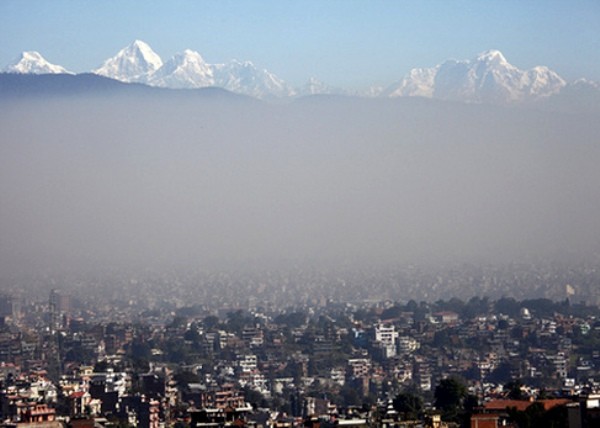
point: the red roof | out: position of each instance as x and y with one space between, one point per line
497 405
521 405
550 403
77 394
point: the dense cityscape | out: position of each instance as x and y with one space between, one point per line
310 214
462 346
299 214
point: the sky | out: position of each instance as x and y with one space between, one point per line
351 44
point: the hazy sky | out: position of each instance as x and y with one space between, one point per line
165 180
344 43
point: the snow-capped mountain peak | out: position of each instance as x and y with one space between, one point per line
314 86
133 63
32 62
141 46
419 82
540 81
586 83
190 55
492 56
244 77
186 69
139 63
489 77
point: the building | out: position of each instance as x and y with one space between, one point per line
386 338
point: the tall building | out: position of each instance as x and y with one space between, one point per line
60 306
10 306
386 336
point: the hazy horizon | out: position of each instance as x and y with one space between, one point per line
199 182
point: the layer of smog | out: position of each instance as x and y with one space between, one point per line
176 183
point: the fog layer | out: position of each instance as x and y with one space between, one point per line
162 180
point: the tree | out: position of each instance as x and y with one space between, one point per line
470 403
514 390
237 320
475 306
449 396
79 353
350 395
255 398
101 366
393 312
292 320
535 416
501 374
185 377
411 306
408 404
507 306
178 322
210 322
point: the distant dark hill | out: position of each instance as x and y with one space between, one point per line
61 85
19 85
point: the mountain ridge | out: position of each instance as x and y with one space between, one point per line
32 62
15 86
486 78
133 63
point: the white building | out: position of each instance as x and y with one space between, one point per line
386 336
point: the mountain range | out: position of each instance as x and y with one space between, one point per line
487 78
31 62
186 70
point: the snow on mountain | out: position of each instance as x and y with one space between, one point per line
418 83
487 78
316 87
31 62
184 70
133 63
540 81
372 91
245 78
584 85
139 63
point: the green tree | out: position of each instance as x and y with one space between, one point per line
535 416
292 320
192 334
514 390
101 366
556 417
475 306
507 306
449 396
178 322
393 312
253 397
350 395
237 320
409 405
210 322
501 374
185 377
